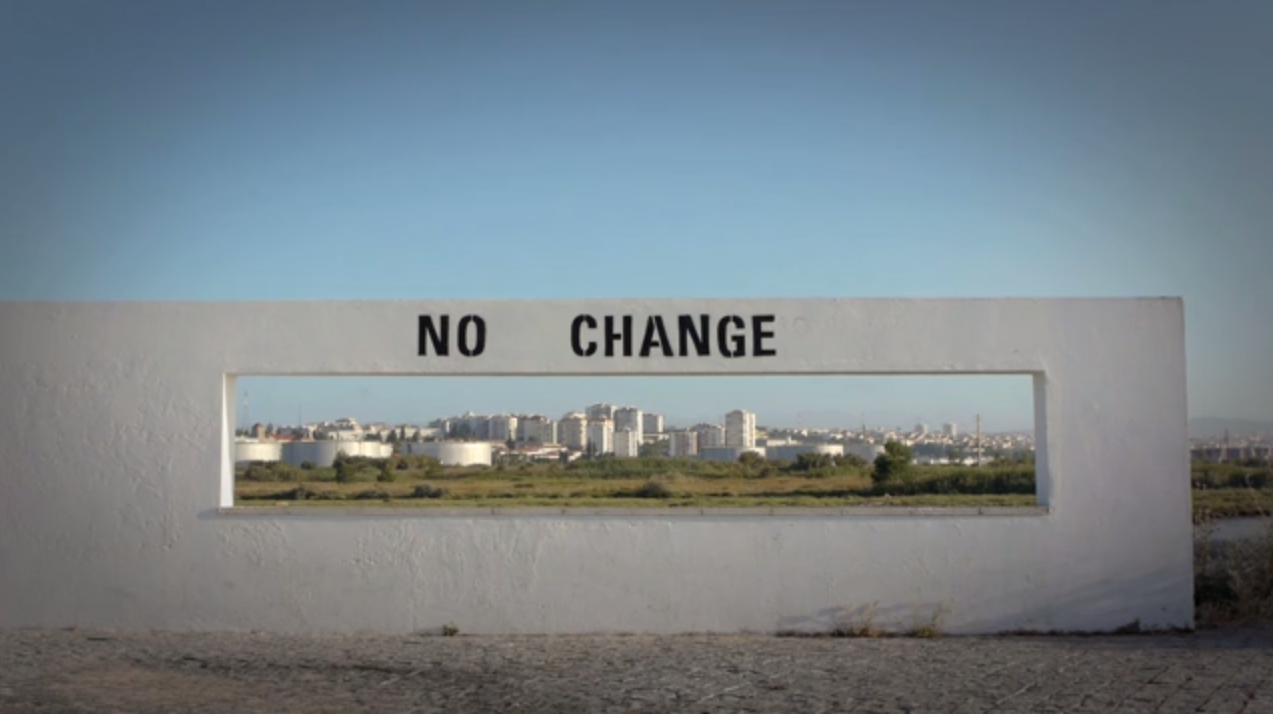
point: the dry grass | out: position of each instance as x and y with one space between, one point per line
673 491
1210 504
1233 579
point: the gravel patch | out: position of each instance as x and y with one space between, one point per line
95 671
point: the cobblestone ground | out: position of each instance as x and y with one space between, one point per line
74 670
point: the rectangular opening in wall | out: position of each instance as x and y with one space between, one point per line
687 443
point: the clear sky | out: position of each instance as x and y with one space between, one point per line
165 150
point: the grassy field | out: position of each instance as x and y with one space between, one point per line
616 493
667 483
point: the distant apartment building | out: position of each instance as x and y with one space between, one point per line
537 429
572 431
1230 454
600 436
601 411
651 423
629 418
469 426
683 443
710 435
501 427
950 429
921 429
627 444
740 429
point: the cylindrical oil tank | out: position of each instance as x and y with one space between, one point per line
727 453
323 452
456 453
867 452
248 451
791 452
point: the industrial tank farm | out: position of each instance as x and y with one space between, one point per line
728 453
249 451
455 453
323 453
790 452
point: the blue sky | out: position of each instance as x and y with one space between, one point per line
342 150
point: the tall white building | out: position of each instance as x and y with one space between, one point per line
572 431
502 427
651 423
600 436
740 429
683 443
472 426
921 429
950 429
629 418
627 444
537 429
710 435
601 411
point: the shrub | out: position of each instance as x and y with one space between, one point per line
813 462
307 466
1233 580
653 488
1248 479
893 464
373 494
257 471
300 493
284 471
850 462
424 490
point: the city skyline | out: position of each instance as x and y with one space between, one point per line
809 402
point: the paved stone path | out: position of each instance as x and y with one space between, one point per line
74 670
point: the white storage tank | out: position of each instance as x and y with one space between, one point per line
323 452
455 453
249 451
727 453
868 452
791 452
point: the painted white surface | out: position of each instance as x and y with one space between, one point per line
248 451
791 452
323 452
454 453
116 451
729 453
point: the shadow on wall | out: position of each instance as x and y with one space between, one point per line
1106 603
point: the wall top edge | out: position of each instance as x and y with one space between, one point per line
603 301
507 512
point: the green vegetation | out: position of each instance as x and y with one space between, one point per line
813 480
1233 580
894 464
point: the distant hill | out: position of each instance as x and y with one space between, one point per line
1210 427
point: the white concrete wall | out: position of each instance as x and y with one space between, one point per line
123 526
